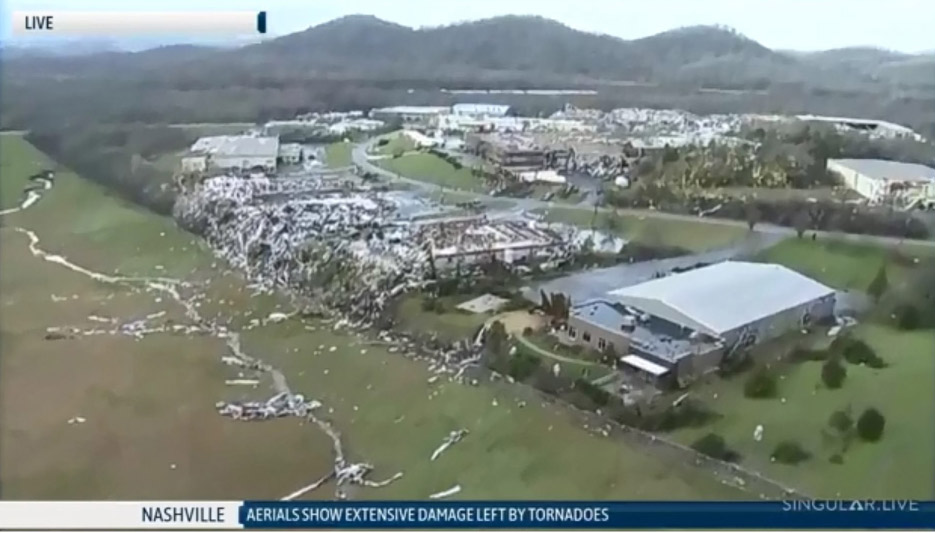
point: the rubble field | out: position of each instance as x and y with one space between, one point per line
347 410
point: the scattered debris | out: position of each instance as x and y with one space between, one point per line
77 420
445 493
453 438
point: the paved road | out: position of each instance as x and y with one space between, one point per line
359 157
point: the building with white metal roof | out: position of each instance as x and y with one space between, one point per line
880 181
687 322
727 299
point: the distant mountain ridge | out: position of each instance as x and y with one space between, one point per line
536 48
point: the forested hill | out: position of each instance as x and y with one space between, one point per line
538 48
361 61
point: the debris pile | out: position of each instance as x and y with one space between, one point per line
334 246
453 438
280 405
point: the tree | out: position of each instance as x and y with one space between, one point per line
752 214
545 303
714 445
496 339
870 425
790 453
801 222
879 285
761 384
833 373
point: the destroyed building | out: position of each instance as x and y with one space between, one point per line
474 240
507 151
349 249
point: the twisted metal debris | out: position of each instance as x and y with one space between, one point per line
341 248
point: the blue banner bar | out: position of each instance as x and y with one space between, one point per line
792 514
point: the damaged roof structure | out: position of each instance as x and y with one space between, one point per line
349 249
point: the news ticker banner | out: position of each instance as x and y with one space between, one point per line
128 23
469 515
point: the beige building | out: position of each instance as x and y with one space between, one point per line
887 182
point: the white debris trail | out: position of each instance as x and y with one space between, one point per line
453 437
345 473
445 493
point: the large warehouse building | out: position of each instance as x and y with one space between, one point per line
232 152
890 182
682 325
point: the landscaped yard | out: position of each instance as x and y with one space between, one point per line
432 169
695 236
898 466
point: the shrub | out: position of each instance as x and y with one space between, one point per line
857 352
841 421
523 365
762 384
799 354
870 425
527 331
713 445
790 453
689 413
598 395
833 373
837 459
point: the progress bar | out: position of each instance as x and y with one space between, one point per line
108 23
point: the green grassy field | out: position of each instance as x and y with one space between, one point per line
149 403
688 235
433 169
338 155
899 466
453 324
843 265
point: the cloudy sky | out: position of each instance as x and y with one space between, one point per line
903 25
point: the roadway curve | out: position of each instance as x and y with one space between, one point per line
360 159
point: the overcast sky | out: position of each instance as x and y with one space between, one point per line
903 25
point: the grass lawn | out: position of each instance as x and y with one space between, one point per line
839 264
689 235
338 155
899 466
571 363
149 403
433 169
451 325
